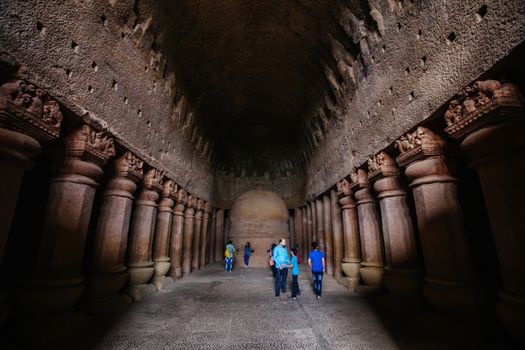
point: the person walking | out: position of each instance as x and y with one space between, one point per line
295 275
270 259
317 264
228 256
282 262
248 251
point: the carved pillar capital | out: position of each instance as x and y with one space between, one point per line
482 104
27 109
129 166
344 193
169 192
419 145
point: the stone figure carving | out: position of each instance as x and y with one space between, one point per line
379 160
154 177
33 100
343 187
181 196
170 188
95 140
127 163
200 204
207 207
414 139
353 175
471 98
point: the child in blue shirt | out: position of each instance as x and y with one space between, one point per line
295 274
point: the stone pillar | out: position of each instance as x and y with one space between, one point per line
161 244
195 261
448 265
371 271
204 232
328 235
57 283
299 239
187 234
352 253
305 250
319 215
310 227
109 272
402 273
211 245
28 117
176 234
291 229
140 262
315 237
337 229
489 118
219 235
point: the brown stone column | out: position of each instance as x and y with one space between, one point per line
319 215
291 229
204 232
187 234
371 271
176 234
310 226
211 245
57 282
402 273
328 235
352 253
304 250
195 261
337 229
315 237
163 226
299 239
219 235
449 272
109 273
27 119
140 262
489 118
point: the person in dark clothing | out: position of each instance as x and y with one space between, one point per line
270 259
248 251
295 275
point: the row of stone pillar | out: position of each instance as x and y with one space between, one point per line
487 118
143 239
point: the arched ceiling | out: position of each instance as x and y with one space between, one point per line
260 77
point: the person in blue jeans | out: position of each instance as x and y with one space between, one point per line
295 274
248 251
317 264
229 261
282 262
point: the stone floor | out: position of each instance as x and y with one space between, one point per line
211 309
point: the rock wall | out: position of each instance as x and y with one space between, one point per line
100 63
422 54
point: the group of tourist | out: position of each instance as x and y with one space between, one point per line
280 262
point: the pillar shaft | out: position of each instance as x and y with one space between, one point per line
492 135
204 233
176 235
337 230
328 235
57 282
319 227
448 264
25 123
219 235
315 237
197 231
211 231
371 271
187 235
140 255
402 275
109 273
299 239
352 252
163 226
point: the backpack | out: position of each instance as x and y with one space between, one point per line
227 254
298 259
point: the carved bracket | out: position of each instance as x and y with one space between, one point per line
418 145
130 166
90 145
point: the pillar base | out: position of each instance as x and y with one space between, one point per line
4 307
511 313
371 274
451 297
102 292
351 270
38 296
405 284
139 276
162 282
161 268
469 331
